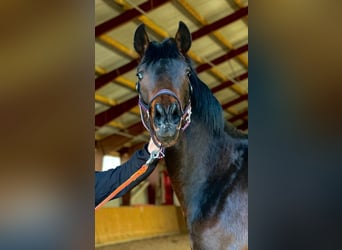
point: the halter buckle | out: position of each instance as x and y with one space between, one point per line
187 116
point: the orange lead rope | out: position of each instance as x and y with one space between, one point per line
154 155
138 173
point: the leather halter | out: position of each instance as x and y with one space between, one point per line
144 108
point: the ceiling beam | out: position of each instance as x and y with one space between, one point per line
127 16
235 101
105 78
229 83
115 111
243 126
114 142
229 55
240 5
222 40
238 116
220 23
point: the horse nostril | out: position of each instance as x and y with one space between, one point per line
173 108
158 112
159 109
174 113
170 114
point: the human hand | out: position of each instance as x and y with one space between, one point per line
151 146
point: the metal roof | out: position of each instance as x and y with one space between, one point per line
219 52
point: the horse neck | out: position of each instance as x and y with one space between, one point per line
206 152
200 156
186 162
191 150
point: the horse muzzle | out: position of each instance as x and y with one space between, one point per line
164 117
167 134
167 123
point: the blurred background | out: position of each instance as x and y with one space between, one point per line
47 116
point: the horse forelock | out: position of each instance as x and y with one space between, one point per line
156 51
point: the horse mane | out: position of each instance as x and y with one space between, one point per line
205 106
234 132
209 110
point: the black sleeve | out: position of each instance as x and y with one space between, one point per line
107 181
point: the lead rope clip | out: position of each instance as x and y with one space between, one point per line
156 154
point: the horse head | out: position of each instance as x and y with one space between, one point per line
163 84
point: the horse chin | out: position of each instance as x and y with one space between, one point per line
167 141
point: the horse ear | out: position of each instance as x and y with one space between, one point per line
183 38
141 40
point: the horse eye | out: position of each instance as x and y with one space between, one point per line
188 72
140 75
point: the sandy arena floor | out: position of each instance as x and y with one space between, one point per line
174 242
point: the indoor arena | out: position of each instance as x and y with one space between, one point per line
167 208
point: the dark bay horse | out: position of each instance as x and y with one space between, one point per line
206 157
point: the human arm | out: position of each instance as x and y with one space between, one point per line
107 181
